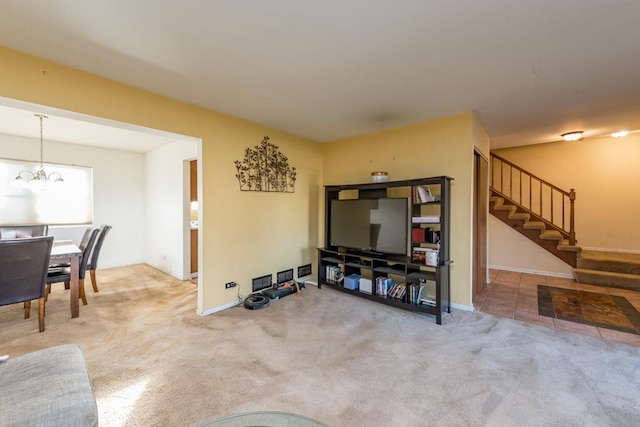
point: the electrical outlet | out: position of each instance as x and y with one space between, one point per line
230 285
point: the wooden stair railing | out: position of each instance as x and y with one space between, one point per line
549 203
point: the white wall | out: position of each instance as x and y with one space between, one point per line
167 202
118 193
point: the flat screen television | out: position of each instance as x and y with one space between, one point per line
372 225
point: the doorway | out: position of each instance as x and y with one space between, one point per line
480 217
193 216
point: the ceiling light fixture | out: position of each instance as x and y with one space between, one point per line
39 176
572 136
620 134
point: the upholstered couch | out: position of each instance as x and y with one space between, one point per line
49 387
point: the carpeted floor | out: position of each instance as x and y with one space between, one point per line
341 360
591 308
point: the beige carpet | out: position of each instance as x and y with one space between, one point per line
342 360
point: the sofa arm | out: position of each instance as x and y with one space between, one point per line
47 387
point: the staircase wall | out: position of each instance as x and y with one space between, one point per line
509 250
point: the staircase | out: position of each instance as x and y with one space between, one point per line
544 214
614 269
533 228
535 208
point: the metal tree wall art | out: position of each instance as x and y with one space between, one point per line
264 168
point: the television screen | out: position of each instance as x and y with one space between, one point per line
378 225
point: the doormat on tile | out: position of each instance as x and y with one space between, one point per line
590 308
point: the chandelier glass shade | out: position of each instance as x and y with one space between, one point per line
39 176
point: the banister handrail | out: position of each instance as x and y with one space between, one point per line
537 208
513 165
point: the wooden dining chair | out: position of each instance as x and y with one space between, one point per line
93 261
24 264
62 273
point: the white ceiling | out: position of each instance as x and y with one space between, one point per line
325 70
17 118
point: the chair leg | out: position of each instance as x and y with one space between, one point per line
41 303
47 292
27 309
83 296
94 282
67 285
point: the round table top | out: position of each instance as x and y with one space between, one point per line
264 418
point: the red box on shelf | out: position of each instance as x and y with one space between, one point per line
418 235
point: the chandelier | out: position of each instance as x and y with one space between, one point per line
39 176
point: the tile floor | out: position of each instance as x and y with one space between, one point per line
515 295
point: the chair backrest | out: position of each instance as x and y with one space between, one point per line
23 231
86 245
93 262
23 268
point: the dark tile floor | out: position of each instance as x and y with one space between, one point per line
515 295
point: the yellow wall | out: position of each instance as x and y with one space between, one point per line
434 148
245 234
481 140
604 172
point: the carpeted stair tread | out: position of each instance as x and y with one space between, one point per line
510 208
551 235
522 216
565 246
619 262
607 278
534 225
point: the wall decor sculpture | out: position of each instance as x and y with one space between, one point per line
265 168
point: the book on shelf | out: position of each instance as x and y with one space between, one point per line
415 293
333 273
424 194
398 291
425 235
426 256
383 285
428 302
425 219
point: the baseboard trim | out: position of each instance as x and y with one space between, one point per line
526 270
462 307
220 308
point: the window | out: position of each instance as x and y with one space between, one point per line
54 203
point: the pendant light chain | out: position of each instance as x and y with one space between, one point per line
41 116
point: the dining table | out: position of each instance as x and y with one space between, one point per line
65 251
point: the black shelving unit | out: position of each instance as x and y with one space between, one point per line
400 269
